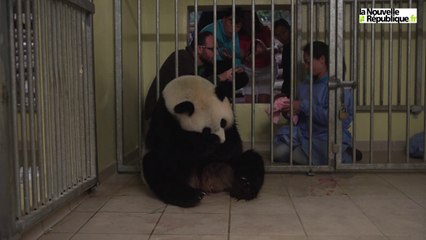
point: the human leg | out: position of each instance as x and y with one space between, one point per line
281 152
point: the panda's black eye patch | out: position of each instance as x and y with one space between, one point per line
207 130
223 123
185 107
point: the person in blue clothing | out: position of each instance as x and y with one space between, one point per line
319 116
224 32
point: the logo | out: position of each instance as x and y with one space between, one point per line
388 15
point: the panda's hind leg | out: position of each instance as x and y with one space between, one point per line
169 187
249 172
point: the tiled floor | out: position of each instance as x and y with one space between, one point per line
290 206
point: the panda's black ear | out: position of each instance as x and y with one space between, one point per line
185 107
224 89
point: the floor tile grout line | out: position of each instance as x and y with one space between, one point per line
158 220
294 207
109 197
399 190
364 213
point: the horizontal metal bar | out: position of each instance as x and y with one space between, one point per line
383 167
26 222
84 4
414 109
334 84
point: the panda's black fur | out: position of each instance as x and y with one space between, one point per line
181 166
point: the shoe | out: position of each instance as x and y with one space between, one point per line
358 153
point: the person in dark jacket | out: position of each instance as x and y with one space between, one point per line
186 61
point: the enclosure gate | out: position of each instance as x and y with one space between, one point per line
48 145
385 63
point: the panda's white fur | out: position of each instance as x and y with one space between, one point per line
209 110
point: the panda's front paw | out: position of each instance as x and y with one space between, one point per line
189 198
243 189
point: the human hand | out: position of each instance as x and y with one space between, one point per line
260 47
227 75
296 107
225 54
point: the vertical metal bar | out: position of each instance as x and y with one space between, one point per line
382 63
271 105
331 72
364 69
408 92
13 87
39 94
23 110
419 50
253 73
215 41
80 103
76 105
62 95
196 36
177 38
92 161
86 84
233 54
75 82
354 77
339 74
311 78
399 82
118 67
9 202
51 100
292 74
58 93
157 45
390 66
141 130
67 88
372 83
29 31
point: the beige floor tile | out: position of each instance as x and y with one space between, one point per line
394 216
72 222
334 215
366 185
125 223
134 189
211 203
411 184
120 179
135 204
260 225
187 237
274 183
56 236
192 224
96 236
319 185
270 237
345 237
91 204
265 203
407 237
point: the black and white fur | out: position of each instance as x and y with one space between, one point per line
194 146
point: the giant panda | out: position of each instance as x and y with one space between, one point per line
194 148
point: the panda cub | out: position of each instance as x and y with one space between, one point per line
194 148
